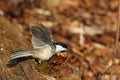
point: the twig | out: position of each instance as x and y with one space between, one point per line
117 40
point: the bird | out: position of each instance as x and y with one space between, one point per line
44 46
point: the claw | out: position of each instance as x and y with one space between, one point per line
38 61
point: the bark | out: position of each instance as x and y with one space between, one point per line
11 38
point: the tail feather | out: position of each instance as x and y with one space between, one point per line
19 56
21 53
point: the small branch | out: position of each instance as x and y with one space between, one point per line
117 39
118 29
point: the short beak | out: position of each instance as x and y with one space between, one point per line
67 50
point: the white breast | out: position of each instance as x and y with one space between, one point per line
44 53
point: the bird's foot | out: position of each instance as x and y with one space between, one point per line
38 61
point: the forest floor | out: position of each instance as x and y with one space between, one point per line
88 27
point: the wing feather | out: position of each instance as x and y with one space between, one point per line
41 36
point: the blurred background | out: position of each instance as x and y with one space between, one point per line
88 27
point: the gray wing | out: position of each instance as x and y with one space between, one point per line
41 36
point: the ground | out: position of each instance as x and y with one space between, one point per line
88 27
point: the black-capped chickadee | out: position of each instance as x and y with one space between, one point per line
44 47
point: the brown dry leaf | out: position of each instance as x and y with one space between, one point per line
63 54
113 4
65 18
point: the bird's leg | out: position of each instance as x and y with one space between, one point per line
38 61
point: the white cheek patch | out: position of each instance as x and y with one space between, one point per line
59 48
